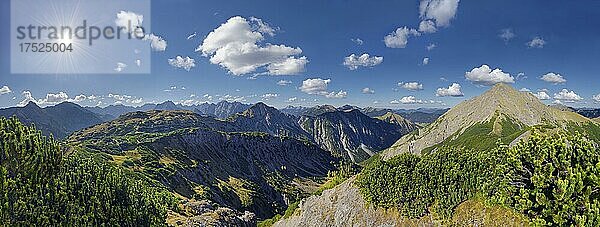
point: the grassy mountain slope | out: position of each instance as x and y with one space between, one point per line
501 106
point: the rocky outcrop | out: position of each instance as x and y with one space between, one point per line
346 133
344 206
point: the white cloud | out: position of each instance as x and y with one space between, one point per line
318 86
262 26
542 95
484 75
5 90
536 42
425 61
27 97
337 95
291 66
269 96
353 61
186 63
558 102
80 98
191 36
412 100
358 41
554 78
292 99
315 86
399 38
596 98
442 11
129 20
120 66
506 34
427 26
368 91
156 42
567 96
235 45
284 82
452 90
411 86
525 89
431 46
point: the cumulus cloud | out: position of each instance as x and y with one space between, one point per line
156 42
506 34
290 66
484 75
318 86
368 91
80 98
452 90
536 42
5 90
567 96
186 63
130 21
27 97
353 61
554 78
425 61
399 38
441 11
525 89
284 82
236 46
542 95
358 41
427 26
411 86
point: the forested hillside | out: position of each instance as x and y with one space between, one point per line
44 184
549 179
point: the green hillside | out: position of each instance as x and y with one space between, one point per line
44 184
549 179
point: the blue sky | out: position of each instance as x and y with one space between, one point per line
566 51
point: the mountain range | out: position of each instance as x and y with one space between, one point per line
500 114
59 120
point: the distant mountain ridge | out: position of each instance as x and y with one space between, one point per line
59 120
348 134
420 115
222 109
502 110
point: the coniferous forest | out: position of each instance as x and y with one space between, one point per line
43 184
549 179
